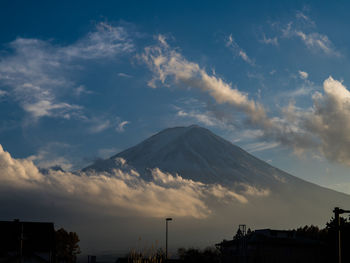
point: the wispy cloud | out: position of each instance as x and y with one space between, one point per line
314 41
260 146
301 16
124 75
105 42
317 41
167 63
238 51
82 90
303 74
269 41
341 187
198 117
3 93
121 125
107 152
35 72
191 110
48 157
99 125
302 91
104 122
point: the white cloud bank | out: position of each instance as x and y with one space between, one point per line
329 121
165 195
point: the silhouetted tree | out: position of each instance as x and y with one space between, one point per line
331 228
312 232
249 232
147 256
67 247
238 235
328 237
193 255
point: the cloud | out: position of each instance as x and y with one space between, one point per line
253 191
269 41
199 117
192 111
260 146
164 195
124 75
82 90
35 73
317 41
323 128
48 108
121 125
301 16
329 121
238 51
51 155
167 63
302 91
99 125
104 122
60 162
3 93
107 152
303 74
207 115
343 187
314 41
105 42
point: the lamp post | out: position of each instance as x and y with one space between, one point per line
166 236
337 212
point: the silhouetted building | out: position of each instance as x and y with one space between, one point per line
91 259
26 241
271 246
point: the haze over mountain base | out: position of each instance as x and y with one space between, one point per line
207 184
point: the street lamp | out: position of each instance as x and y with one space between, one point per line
337 212
166 236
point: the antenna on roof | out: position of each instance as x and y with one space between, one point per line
243 229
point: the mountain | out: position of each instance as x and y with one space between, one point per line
198 154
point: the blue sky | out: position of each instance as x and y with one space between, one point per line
84 80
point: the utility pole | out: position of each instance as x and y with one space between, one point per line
243 229
21 244
166 236
337 212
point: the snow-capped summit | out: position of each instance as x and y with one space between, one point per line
198 154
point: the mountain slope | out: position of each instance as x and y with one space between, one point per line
198 154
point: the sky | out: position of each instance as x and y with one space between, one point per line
84 80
